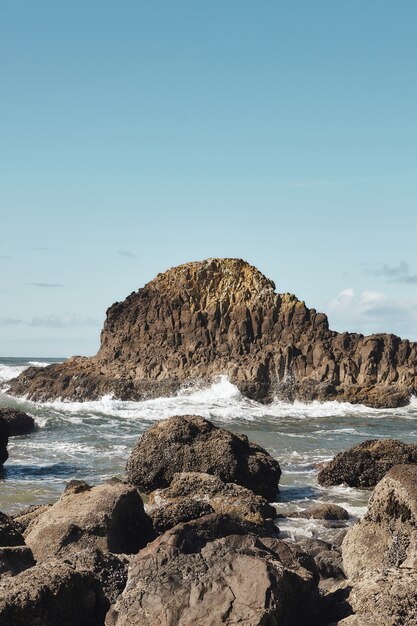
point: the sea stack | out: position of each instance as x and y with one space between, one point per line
217 317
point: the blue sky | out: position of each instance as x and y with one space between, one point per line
138 135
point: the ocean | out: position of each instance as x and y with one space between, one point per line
92 441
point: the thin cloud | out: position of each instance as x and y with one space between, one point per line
10 321
400 273
371 312
5 256
46 285
67 320
126 253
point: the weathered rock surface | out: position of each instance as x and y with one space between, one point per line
202 494
15 559
365 464
28 516
52 594
323 510
189 443
236 579
222 316
4 440
109 517
387 535
10 534
20 423
380 553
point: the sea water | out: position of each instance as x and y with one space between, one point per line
92 441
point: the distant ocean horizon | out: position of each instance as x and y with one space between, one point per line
92 440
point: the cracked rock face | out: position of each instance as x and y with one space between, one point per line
190 443
223 317
366 464
235 579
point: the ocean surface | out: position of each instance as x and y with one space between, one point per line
92 441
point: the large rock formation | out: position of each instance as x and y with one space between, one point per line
189 443
222 316
108 517
365 464
380 554
20 423
183 578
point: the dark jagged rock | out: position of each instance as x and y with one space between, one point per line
4 440
189 443
52 594
193 494
365 464
323 511
20 423
10 534
15 559
231 579
109 517
222 316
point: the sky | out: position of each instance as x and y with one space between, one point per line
138 135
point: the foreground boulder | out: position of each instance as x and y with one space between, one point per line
4 440
387 536
52 594
380 553
223 317
109 517
235 579
189 443
365 464
20 423
202 494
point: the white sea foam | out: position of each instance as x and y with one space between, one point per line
7 372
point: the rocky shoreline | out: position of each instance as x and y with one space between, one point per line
223 317
205 548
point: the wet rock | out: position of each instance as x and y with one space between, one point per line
19 422
235 579
10 534
4 440
208 491
15 559
189 443
223 317
109 517
52 594
365 464
322 511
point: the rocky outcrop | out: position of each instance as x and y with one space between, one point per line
193 494
52 594
234 579
109 517
189 443
222 316
380 553
20 423
322 511
4 440
366 464
15 559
